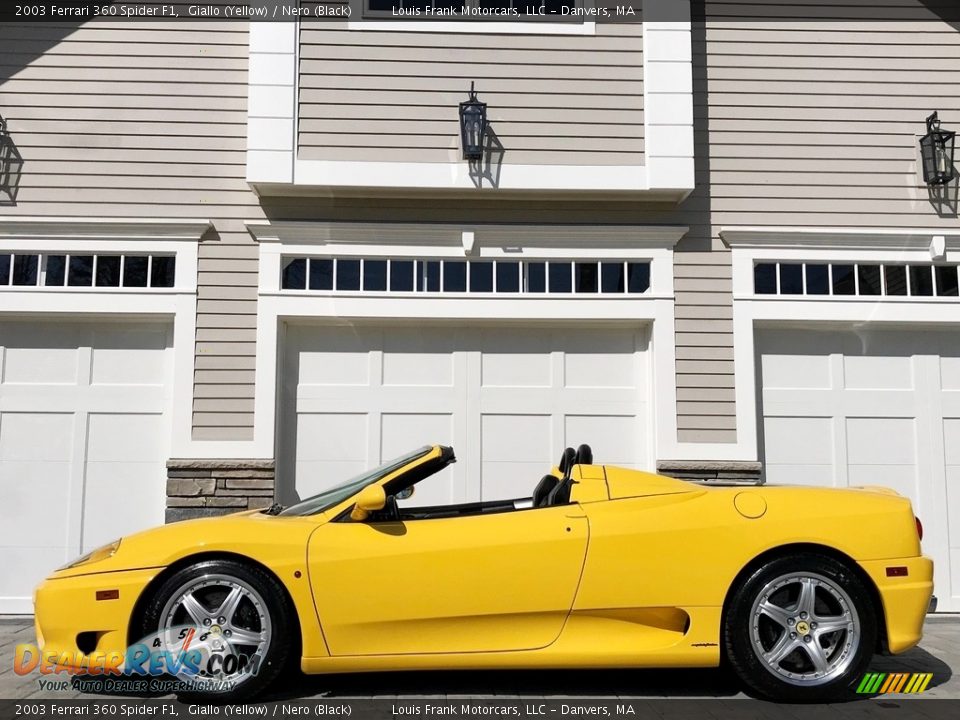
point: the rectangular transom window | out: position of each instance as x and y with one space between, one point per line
93 270
855 279
570 278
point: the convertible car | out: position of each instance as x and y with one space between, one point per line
603 567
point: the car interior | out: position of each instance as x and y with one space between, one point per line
550 491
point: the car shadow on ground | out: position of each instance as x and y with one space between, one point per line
693 683
917 660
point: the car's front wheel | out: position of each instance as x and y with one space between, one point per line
801 628
223 628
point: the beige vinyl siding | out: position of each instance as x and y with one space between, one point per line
393 96
140 119
800 121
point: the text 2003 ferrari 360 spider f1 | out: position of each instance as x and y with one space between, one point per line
794 587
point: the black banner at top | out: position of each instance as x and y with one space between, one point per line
358 12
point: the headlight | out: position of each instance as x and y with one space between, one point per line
101 553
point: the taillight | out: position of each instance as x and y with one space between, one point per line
919 528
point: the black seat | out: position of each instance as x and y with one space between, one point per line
560 494
542 491
584 455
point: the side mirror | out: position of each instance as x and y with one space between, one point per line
405 493
370 499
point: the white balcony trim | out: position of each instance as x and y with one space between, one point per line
273 165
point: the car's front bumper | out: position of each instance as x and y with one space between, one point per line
72 623
905 598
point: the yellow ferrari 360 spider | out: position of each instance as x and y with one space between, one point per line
603 567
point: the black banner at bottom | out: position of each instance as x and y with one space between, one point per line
530 708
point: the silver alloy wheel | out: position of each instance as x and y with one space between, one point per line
231 618
804 628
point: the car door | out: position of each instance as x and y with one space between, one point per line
503 581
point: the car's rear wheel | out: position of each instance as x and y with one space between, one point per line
233 617
801 628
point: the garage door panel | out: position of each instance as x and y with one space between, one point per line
597 370
516 437
881 441
130 359
950 373
523 367
877 372
38 366
417 357
951 440
613 438
798 440
120 497
38 437
27 487
795 371
125 437
340 436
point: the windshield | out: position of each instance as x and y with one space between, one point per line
338 493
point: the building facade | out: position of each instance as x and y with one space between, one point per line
240 261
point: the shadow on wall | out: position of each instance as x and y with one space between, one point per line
11 166
488 167
944 198
22 44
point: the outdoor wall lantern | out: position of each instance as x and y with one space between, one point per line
473 126
936 151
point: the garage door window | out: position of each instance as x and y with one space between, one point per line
403 275
53 270
868 279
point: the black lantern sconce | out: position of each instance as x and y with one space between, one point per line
11 164
936 152
473 126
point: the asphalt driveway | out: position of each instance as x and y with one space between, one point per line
939 653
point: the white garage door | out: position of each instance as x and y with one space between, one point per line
508 400
84 438
871 408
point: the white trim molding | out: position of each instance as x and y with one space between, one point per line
83 228
93 235
844 238
274 167
821 245
654 308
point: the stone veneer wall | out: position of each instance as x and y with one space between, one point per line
746 473
205 488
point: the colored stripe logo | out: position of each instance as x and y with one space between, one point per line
887 683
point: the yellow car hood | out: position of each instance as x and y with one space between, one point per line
267 538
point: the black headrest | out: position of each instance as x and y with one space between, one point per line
567 460
584 455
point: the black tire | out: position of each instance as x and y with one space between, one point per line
839 596
282 648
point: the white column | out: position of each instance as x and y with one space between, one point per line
668 94
272 102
